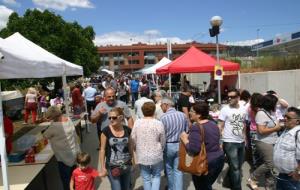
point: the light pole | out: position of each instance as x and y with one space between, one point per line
131 56
216 22
257 37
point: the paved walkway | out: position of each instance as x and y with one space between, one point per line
90 144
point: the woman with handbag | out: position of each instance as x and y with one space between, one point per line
115 155
267 128
199 114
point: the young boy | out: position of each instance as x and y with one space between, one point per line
83 176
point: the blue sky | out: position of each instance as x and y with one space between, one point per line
130 21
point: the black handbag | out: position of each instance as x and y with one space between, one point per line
119 170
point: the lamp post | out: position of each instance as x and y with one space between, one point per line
216 22
257 37
131 56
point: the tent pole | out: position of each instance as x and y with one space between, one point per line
239 80
170 83
157 85
66 91
3 148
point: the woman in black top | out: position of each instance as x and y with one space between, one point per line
115 155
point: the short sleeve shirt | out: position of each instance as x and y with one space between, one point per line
234 119
104 120
268 120
84 178
183 101
117 148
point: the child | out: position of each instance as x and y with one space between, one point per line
83 176
44 103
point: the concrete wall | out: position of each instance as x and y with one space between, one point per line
285 83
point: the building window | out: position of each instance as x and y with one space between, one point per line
133 62
149 61
119 62
133 54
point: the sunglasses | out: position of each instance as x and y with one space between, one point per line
289 118
112 118
232 97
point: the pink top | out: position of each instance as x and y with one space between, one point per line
253 124
31 98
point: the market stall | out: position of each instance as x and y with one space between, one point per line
21 58
196 61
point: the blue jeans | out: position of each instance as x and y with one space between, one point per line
235 153
122 182
171 159
134 97
65 173
285 182
151 175
205 182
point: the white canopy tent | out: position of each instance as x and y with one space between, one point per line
152 70
25 59
109 72
21 58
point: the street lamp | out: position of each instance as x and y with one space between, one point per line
257 37
216 22
131 56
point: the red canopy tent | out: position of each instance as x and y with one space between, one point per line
196 61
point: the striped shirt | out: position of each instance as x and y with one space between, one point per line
175 123
286 152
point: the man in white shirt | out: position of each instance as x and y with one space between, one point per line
89 94
232 127
139 103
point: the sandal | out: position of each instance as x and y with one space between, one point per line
252 184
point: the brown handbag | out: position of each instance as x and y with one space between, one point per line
193 164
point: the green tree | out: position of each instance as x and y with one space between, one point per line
69 41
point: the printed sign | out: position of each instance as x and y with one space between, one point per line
218 72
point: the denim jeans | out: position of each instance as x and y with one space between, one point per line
122 182
235 153
65 173
205 182
134 97
171 159
285 182
151 175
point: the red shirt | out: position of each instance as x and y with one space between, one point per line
84 179
9 131
77 99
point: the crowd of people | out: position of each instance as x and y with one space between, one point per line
262 126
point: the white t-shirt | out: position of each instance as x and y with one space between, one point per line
234 119
268 120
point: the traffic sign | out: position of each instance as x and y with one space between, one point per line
218 72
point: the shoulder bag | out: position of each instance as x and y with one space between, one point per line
194 164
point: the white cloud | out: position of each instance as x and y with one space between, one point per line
4 14
127 38
10 2
63 5
244 43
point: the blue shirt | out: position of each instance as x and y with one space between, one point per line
134 86
175 123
